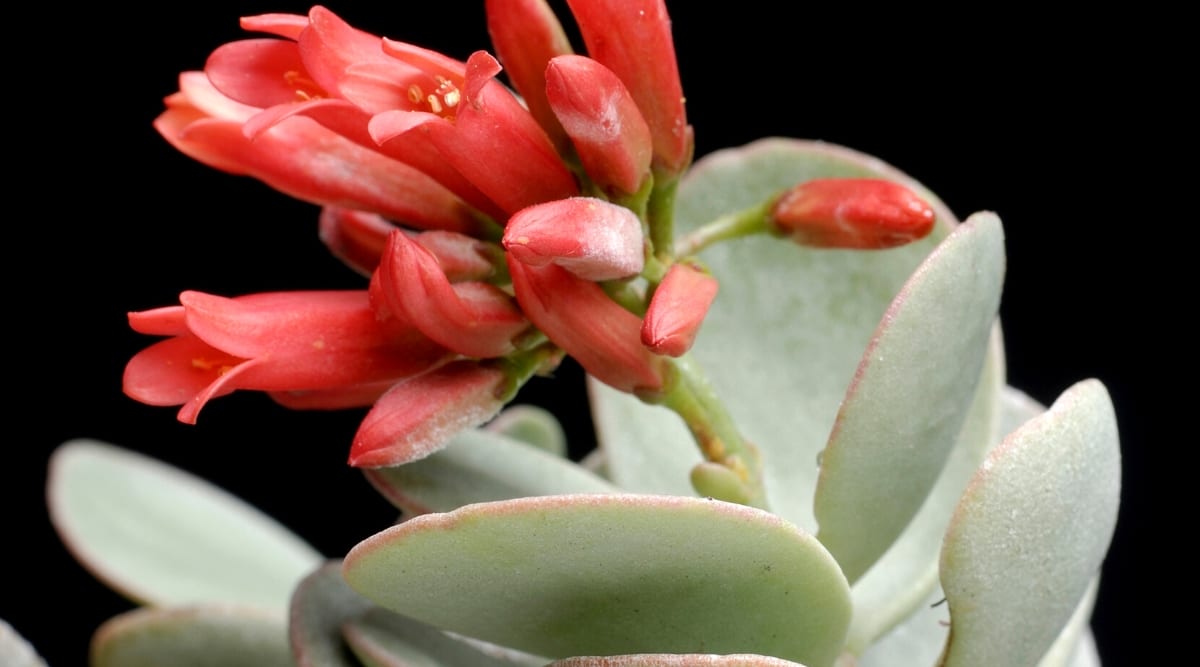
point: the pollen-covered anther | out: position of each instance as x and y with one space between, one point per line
306 89
415 94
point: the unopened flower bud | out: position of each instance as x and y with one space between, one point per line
677 309
860 213
591 238
610 135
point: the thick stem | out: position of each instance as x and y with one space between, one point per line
737 473
735 225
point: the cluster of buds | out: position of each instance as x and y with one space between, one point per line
498 231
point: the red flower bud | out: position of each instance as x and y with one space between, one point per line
591 238
677 309
604 123
633 39
526 35
420 415
859 213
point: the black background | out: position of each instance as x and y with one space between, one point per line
1047 122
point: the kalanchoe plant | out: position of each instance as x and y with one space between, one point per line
806 438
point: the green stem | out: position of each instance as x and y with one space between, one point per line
735 225
737 473
660 213
538 358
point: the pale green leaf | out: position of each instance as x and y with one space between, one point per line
903 577
201 636
910 396
481 466
784 335
608 575
1073 645
380 638
1031 532
321 604
164 537
532 425
915 642
675 660
15 651
1016 408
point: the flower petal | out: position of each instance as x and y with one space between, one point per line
173 371
305 160
418 416
580 318
497 145
473 319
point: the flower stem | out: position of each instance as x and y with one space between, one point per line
536 359
733 471
735 225
660 212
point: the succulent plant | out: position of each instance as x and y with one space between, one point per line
808 451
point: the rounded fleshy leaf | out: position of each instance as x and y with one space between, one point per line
480 466
594 575
203 636
160 536
1031 532
896 585
1071 646
380 638
918 640
675 660
921 638
532 425
801 308
910 396
15 651
1016 408
322 603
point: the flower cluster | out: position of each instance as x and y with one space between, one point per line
498 231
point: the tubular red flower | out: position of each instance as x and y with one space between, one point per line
677 309
591 238
493 141
278 342
305 160
860 213
580 318
608 131
526 35
633 39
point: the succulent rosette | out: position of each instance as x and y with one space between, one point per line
795 364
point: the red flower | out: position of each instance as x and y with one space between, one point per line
286 343
414 157
305 160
